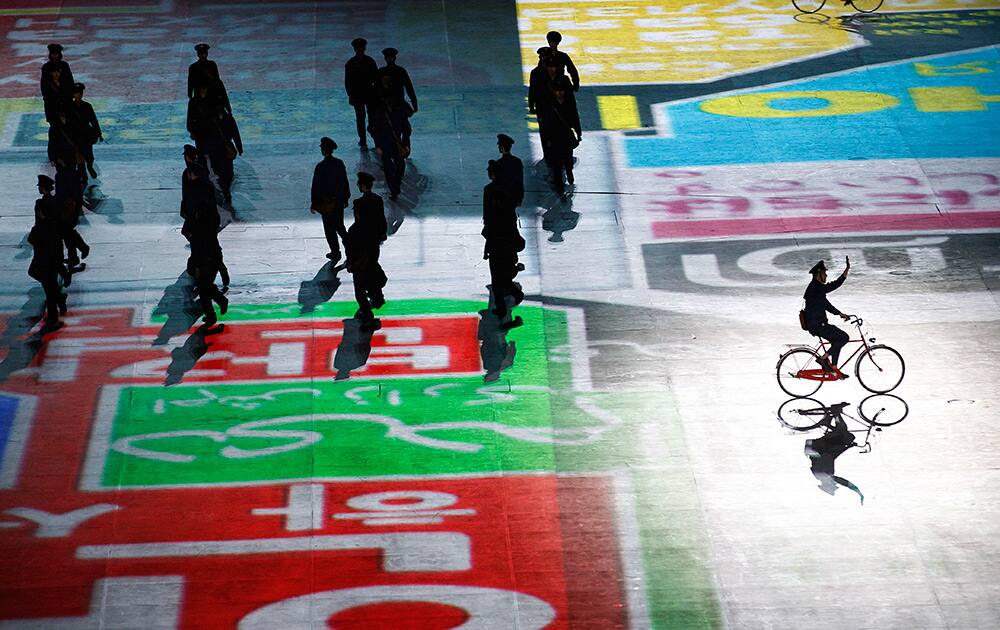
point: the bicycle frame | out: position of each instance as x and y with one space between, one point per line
821 348
832 416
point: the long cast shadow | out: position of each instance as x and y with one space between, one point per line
21 350
179 307
354 348
320 289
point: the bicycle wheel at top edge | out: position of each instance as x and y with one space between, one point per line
866 6
883 410
790 364
808 6
792 413
880 369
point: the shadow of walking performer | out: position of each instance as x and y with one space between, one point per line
184 358
21 350
320 289
354 348
495 351
178 305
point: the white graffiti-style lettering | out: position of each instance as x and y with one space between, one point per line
246 403
395 429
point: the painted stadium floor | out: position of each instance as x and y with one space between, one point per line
625 464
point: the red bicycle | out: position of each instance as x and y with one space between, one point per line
879 368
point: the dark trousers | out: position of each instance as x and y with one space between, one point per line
53 293
560 161
74 243
502 280
359 117
222 166
368 285
837 338
333 224
394 167
208 292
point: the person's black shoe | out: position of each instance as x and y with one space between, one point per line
72 262
519 266
92 170
62 304
378 302
210 319
84 251
223 304
371 325
334 256
825 364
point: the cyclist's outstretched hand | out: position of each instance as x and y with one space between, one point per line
846 317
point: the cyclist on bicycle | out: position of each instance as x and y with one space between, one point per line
817 306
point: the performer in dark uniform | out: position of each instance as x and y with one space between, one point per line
539 88
560 133
47 261
561 58
817 306
56 83
69 198
394 80
363 243
198 209
503 242
510 170
391 132
360 76
205 72
86 129
330 194
216 135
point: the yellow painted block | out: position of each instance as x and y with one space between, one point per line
619 112
952 99
632 42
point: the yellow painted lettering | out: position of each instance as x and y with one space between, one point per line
971 67
951 99
837 103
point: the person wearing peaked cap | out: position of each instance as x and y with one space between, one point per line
47 259
394 80
510 170
503 241
330 194
85 130
814 314
563 60
364 240
360 76
56 83
538 81
205 72
560 132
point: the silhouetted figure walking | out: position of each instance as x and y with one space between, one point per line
47 261
205 72
391 131
360 77
364 240
394 80
86 130
560 134
562 59
539 82
69 198
201 217
510 170
56 83
503 242
330 194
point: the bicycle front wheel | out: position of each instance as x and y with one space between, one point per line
866 6
802 414
794 372
880 369
808 6
883 410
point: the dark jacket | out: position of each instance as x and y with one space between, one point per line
566 65
65 88
197 194
83 122
367 233
500 221
393 81
510 175
539 89
560 124
330 189
360 75
46 240
207 73
817 306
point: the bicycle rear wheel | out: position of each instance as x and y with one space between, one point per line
883 410
808 6
801 414
866 6
880 369
791 368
